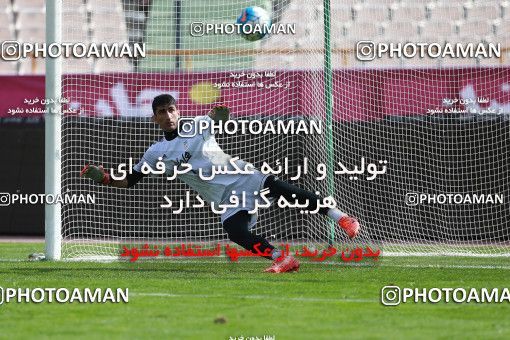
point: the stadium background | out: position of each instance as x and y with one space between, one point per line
372 99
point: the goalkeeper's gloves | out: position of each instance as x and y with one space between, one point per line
96 173
220 113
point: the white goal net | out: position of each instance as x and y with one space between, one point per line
415 146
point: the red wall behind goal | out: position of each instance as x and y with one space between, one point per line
358 94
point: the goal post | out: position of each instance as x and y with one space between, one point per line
52 121
328 103
437 167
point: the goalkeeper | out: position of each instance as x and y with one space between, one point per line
202 152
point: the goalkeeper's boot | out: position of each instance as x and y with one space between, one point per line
350 225
288 264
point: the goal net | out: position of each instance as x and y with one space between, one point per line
415 147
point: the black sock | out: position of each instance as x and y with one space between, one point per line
236 227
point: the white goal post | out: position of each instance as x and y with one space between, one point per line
52 149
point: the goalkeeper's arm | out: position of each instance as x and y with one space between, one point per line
219 113
100 176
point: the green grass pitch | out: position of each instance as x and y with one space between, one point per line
219 299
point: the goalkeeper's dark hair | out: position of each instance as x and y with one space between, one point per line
162 99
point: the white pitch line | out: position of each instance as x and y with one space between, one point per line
340 264
423 254
436 266
255 297
447 266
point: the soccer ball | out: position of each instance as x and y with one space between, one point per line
254 23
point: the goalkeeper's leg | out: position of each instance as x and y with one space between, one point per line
237 228
279 188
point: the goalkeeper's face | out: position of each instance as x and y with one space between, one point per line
166 116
